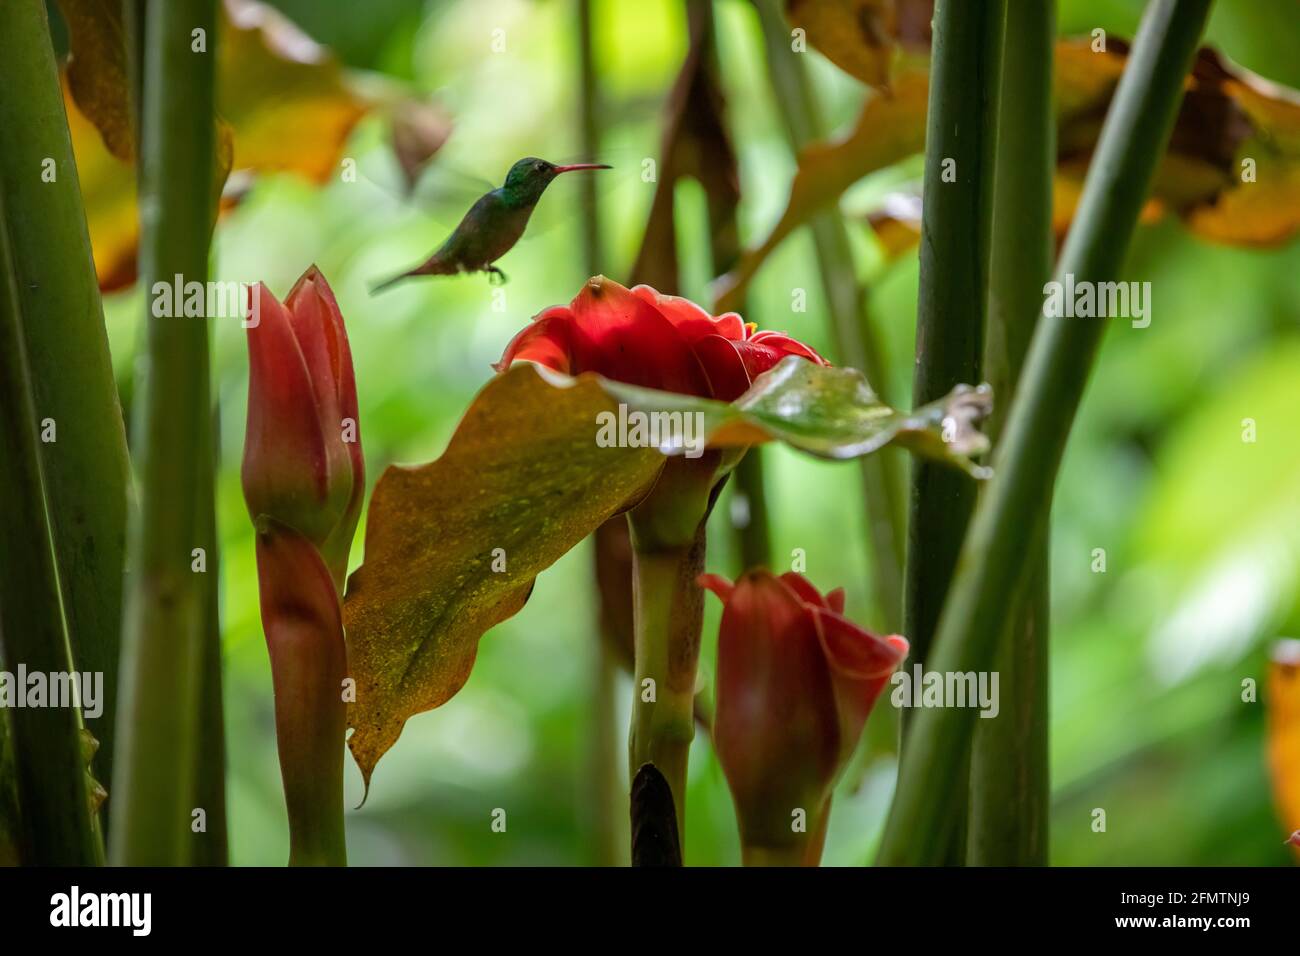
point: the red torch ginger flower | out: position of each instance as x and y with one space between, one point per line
641 337
302 450
795 683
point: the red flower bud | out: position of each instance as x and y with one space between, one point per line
795 683
640 337
302 449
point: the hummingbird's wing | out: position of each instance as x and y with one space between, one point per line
441 193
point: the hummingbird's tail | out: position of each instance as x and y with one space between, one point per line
428 268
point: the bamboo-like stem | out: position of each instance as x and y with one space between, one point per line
857 343
956 224
86 469
1013 512
57 825
1009 801
154 781
606 835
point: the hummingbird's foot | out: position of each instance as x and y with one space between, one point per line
495 275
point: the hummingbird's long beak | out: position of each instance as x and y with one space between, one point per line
575 166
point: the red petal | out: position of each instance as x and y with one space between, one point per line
855 651
765 349
717 584
804 588
728 379
624 337
285 468
547 341
835 600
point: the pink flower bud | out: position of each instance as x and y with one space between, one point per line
302 449
795 683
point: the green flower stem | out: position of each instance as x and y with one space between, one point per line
1013 511
669 615
86 469
57 827
857 344
1009 803
155 780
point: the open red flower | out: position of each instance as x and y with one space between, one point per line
641 337
795 683
302 449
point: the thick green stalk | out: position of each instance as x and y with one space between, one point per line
955 229
83 451
1013 512
1009 800
856 341
669 615
57 826
956 224
154 782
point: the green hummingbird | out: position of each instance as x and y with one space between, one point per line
493 224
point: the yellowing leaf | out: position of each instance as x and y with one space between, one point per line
97 71
1284 734
108 194
865 38
285 95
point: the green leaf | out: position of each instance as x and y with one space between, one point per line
831 413
453 547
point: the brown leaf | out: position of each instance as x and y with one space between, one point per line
97 70
419 130
522 473
865 38
1284 735
695 145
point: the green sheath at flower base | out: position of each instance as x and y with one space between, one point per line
303 478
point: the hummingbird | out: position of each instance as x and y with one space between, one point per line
493 224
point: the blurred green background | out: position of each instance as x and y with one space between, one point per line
1201 531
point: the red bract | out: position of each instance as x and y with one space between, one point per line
302 449
795 683
658 341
